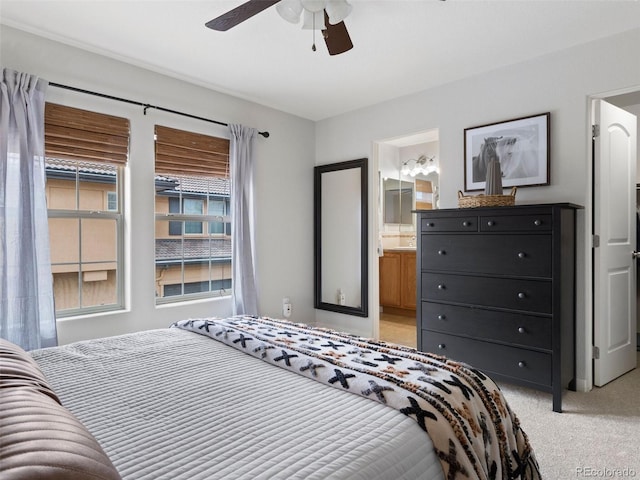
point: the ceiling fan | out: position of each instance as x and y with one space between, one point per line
325 15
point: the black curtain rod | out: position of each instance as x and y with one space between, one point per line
145 105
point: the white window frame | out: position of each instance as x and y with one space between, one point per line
203 219
118 216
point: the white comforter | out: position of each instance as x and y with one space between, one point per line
171 404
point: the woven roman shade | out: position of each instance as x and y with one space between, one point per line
76 134
188 153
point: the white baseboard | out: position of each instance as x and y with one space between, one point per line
581 385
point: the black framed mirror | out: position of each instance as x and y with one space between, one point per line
340 237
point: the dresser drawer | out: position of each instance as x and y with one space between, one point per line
523 295
506 327
515 223
517 363
522 255
450 224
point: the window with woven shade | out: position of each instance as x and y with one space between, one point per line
193 220
86 153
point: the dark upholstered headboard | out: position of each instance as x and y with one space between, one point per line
39 438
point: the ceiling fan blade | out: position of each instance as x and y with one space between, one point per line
239 14
336 37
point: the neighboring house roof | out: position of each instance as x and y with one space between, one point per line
172 249
61 165
166 185
213 185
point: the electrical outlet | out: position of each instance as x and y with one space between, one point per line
286 307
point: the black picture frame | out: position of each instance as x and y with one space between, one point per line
522 145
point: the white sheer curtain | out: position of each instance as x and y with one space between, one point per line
245 297
27 314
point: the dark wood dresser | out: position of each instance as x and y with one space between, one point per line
496 290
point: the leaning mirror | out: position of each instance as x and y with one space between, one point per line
340 235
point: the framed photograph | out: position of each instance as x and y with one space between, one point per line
520 145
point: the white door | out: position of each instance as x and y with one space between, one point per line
614 151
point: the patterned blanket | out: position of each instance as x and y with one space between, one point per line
474 432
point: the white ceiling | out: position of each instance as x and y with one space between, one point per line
400 46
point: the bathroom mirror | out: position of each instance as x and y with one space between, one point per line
340 237
398 201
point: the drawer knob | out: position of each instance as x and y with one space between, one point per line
442 346
537 223
466 224
442 317
522 295
441 286
521 255
429 224
521 330
522 364
442 252
491 223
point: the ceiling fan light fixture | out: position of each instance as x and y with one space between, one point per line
290 10
312 11
337 10
314 5
316 17
313 20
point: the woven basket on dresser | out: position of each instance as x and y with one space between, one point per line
470 201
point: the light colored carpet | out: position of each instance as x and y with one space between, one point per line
596 436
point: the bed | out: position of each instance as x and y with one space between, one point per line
255 398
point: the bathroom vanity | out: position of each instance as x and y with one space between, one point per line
398 281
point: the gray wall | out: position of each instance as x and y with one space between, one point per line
559 83
284 179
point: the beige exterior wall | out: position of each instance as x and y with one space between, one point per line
96 290
162 206
99 254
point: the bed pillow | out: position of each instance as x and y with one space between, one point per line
19 369
39 437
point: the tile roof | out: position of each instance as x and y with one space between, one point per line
57 164
194 248
178 183
215 185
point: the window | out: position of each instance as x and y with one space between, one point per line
188 206
195 287
86 153
220 209
112 201
193 223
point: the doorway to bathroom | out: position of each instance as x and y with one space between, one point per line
408 169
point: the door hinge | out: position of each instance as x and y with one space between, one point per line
596 353
596 241
595 131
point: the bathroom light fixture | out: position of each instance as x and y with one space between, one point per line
422 165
